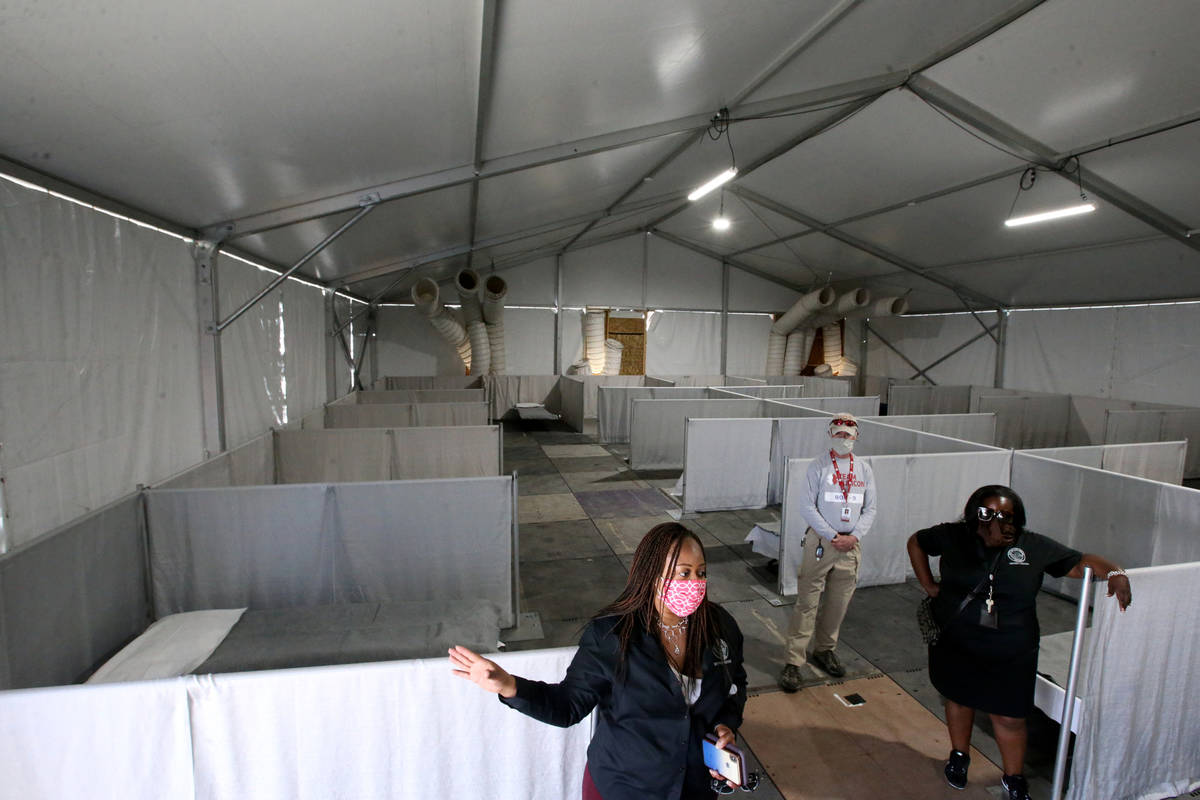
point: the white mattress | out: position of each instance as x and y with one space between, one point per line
175 645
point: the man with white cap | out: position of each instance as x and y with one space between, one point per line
839 507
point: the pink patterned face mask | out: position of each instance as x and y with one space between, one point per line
683 597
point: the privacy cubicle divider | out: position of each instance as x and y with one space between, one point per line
913 492
654 381
340 731
388 454
614 406
318 544
505 391
396 382
414 396
573 393
1133 521
1026 421
1158 461
978 428
739 380
657 430
858 406
405 415
70 598
767 392
916 399
1157 425
732 464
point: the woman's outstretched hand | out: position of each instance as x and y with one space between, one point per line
483 672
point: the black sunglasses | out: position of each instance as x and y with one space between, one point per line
986 514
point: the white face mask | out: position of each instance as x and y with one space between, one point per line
843 446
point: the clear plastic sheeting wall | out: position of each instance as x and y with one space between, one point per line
273 356
339 731
99 360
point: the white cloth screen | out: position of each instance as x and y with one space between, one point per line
355 454
1158 461
574 401
1140 732
505 391
684 343
746 343
928 399
614 406
727 464
1158 426
657 432
1024 421
463 451
402 415
420 396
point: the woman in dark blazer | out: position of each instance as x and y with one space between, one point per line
986 604
662 666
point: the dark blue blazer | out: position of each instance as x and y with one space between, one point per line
647 742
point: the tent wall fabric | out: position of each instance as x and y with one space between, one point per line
99 368
314 544
341 730
684 343
403 415
924 340
657 430
71 598
914 492
1158 426
1141 682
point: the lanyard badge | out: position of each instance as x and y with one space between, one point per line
844 484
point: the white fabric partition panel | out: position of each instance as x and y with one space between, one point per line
399 382
1158 426
928 399
738 380
858 406
912 492
573 392
696 380
592 384
505 391
978 428
656 439
351 454
1028 421
313 544
727 464
121 740
71 597
403 415
614 406
419 396
1140 731
1158 461
341 731
650 380
251 464
462 451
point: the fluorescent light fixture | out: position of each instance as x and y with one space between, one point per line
1069 211
720 223
720 180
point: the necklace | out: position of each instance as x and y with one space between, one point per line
673 633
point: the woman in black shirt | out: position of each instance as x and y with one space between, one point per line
661 665
986 604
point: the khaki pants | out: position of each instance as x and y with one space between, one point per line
824 589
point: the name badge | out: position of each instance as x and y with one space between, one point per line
855 498
845 513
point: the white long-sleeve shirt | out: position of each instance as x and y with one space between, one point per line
823 502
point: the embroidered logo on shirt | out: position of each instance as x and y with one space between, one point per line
721 652
1016 556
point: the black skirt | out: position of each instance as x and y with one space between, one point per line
992 671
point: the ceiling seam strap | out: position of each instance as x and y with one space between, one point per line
483 105
1041 155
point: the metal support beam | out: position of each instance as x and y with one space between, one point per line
982 324
304 259
862 358
858 244
1043 155
724 317
558 315
483 105
1001 344
704 251
331 348
895 350
212 390
1066 717
371 342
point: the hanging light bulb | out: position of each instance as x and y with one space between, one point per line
720 221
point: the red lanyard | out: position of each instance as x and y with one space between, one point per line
837 476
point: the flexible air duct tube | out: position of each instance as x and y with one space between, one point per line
467 283
776 348
426 297
810 303
613 349
494 290
832 334
481 353
883 307
851 304
593 339
822 370
795 358
848 369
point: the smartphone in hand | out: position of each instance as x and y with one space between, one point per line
729 762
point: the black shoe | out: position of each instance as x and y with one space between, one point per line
791 679
956 769
1016 786
828 661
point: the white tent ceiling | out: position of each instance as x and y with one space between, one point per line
878 143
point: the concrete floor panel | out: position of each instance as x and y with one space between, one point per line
725 525
541 484
575 451
554 541
625 503
548 508
592 464
571 589
602 481
623 534
530 466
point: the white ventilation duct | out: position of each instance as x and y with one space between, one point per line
776 351
494 290
852 304
822 370
883 307
426 297
832 334
467 283
613 350
848 368
803 308
593 339
799 343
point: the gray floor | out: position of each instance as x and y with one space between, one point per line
583 512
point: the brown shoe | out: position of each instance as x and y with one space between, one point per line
791 679
828 661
